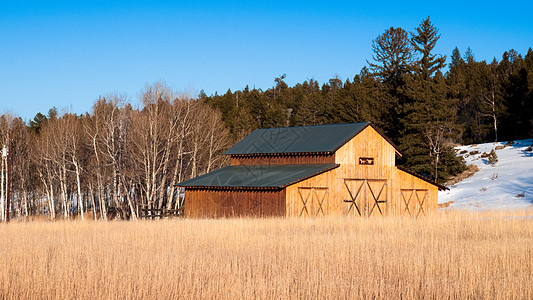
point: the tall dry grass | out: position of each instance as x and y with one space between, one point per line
452 255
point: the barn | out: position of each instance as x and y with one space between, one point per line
335 169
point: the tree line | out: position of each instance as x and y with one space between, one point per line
116 158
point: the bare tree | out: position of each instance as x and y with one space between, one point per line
152 139
116 158
107 131
208 138
21 147
43 158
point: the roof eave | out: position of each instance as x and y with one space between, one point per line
281 154
240 188
271 188
439 186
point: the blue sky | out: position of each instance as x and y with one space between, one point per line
68 53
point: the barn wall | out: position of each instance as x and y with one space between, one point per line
226 203
410 189
283 159
299 192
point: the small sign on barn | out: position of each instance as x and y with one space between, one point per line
366 161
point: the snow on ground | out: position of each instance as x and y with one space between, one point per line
494 187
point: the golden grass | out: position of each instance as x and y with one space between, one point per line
452 255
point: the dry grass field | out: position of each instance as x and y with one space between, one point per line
452 255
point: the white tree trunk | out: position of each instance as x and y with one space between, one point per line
80 201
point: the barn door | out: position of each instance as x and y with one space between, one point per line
367 196
313 201
413 201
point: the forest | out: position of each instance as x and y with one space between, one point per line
106 163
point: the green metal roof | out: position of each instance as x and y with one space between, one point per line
257 176
307 139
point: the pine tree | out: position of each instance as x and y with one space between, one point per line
515 90
428 127
466 80
427 115
310 104
37 122
528 101
362 100
394 59
423 42
393 54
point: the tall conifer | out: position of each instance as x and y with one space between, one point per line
427 115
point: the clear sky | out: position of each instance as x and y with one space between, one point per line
68 53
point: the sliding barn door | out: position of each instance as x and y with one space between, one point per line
414 202
367 197
313 201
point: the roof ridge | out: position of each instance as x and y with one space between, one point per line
314 125
325 138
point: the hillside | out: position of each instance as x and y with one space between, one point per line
506 185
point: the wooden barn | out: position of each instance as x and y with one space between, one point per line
337 169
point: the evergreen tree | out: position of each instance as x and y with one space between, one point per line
528 101
394 57
362 100
466 81
37 122
469 56
429 127
427 115
516 123
423 42
393 54
457 60
310 104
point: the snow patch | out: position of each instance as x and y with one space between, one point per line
506 185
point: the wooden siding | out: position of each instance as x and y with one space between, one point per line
229 203
295 159
351 175
296 192
344 182
411 190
